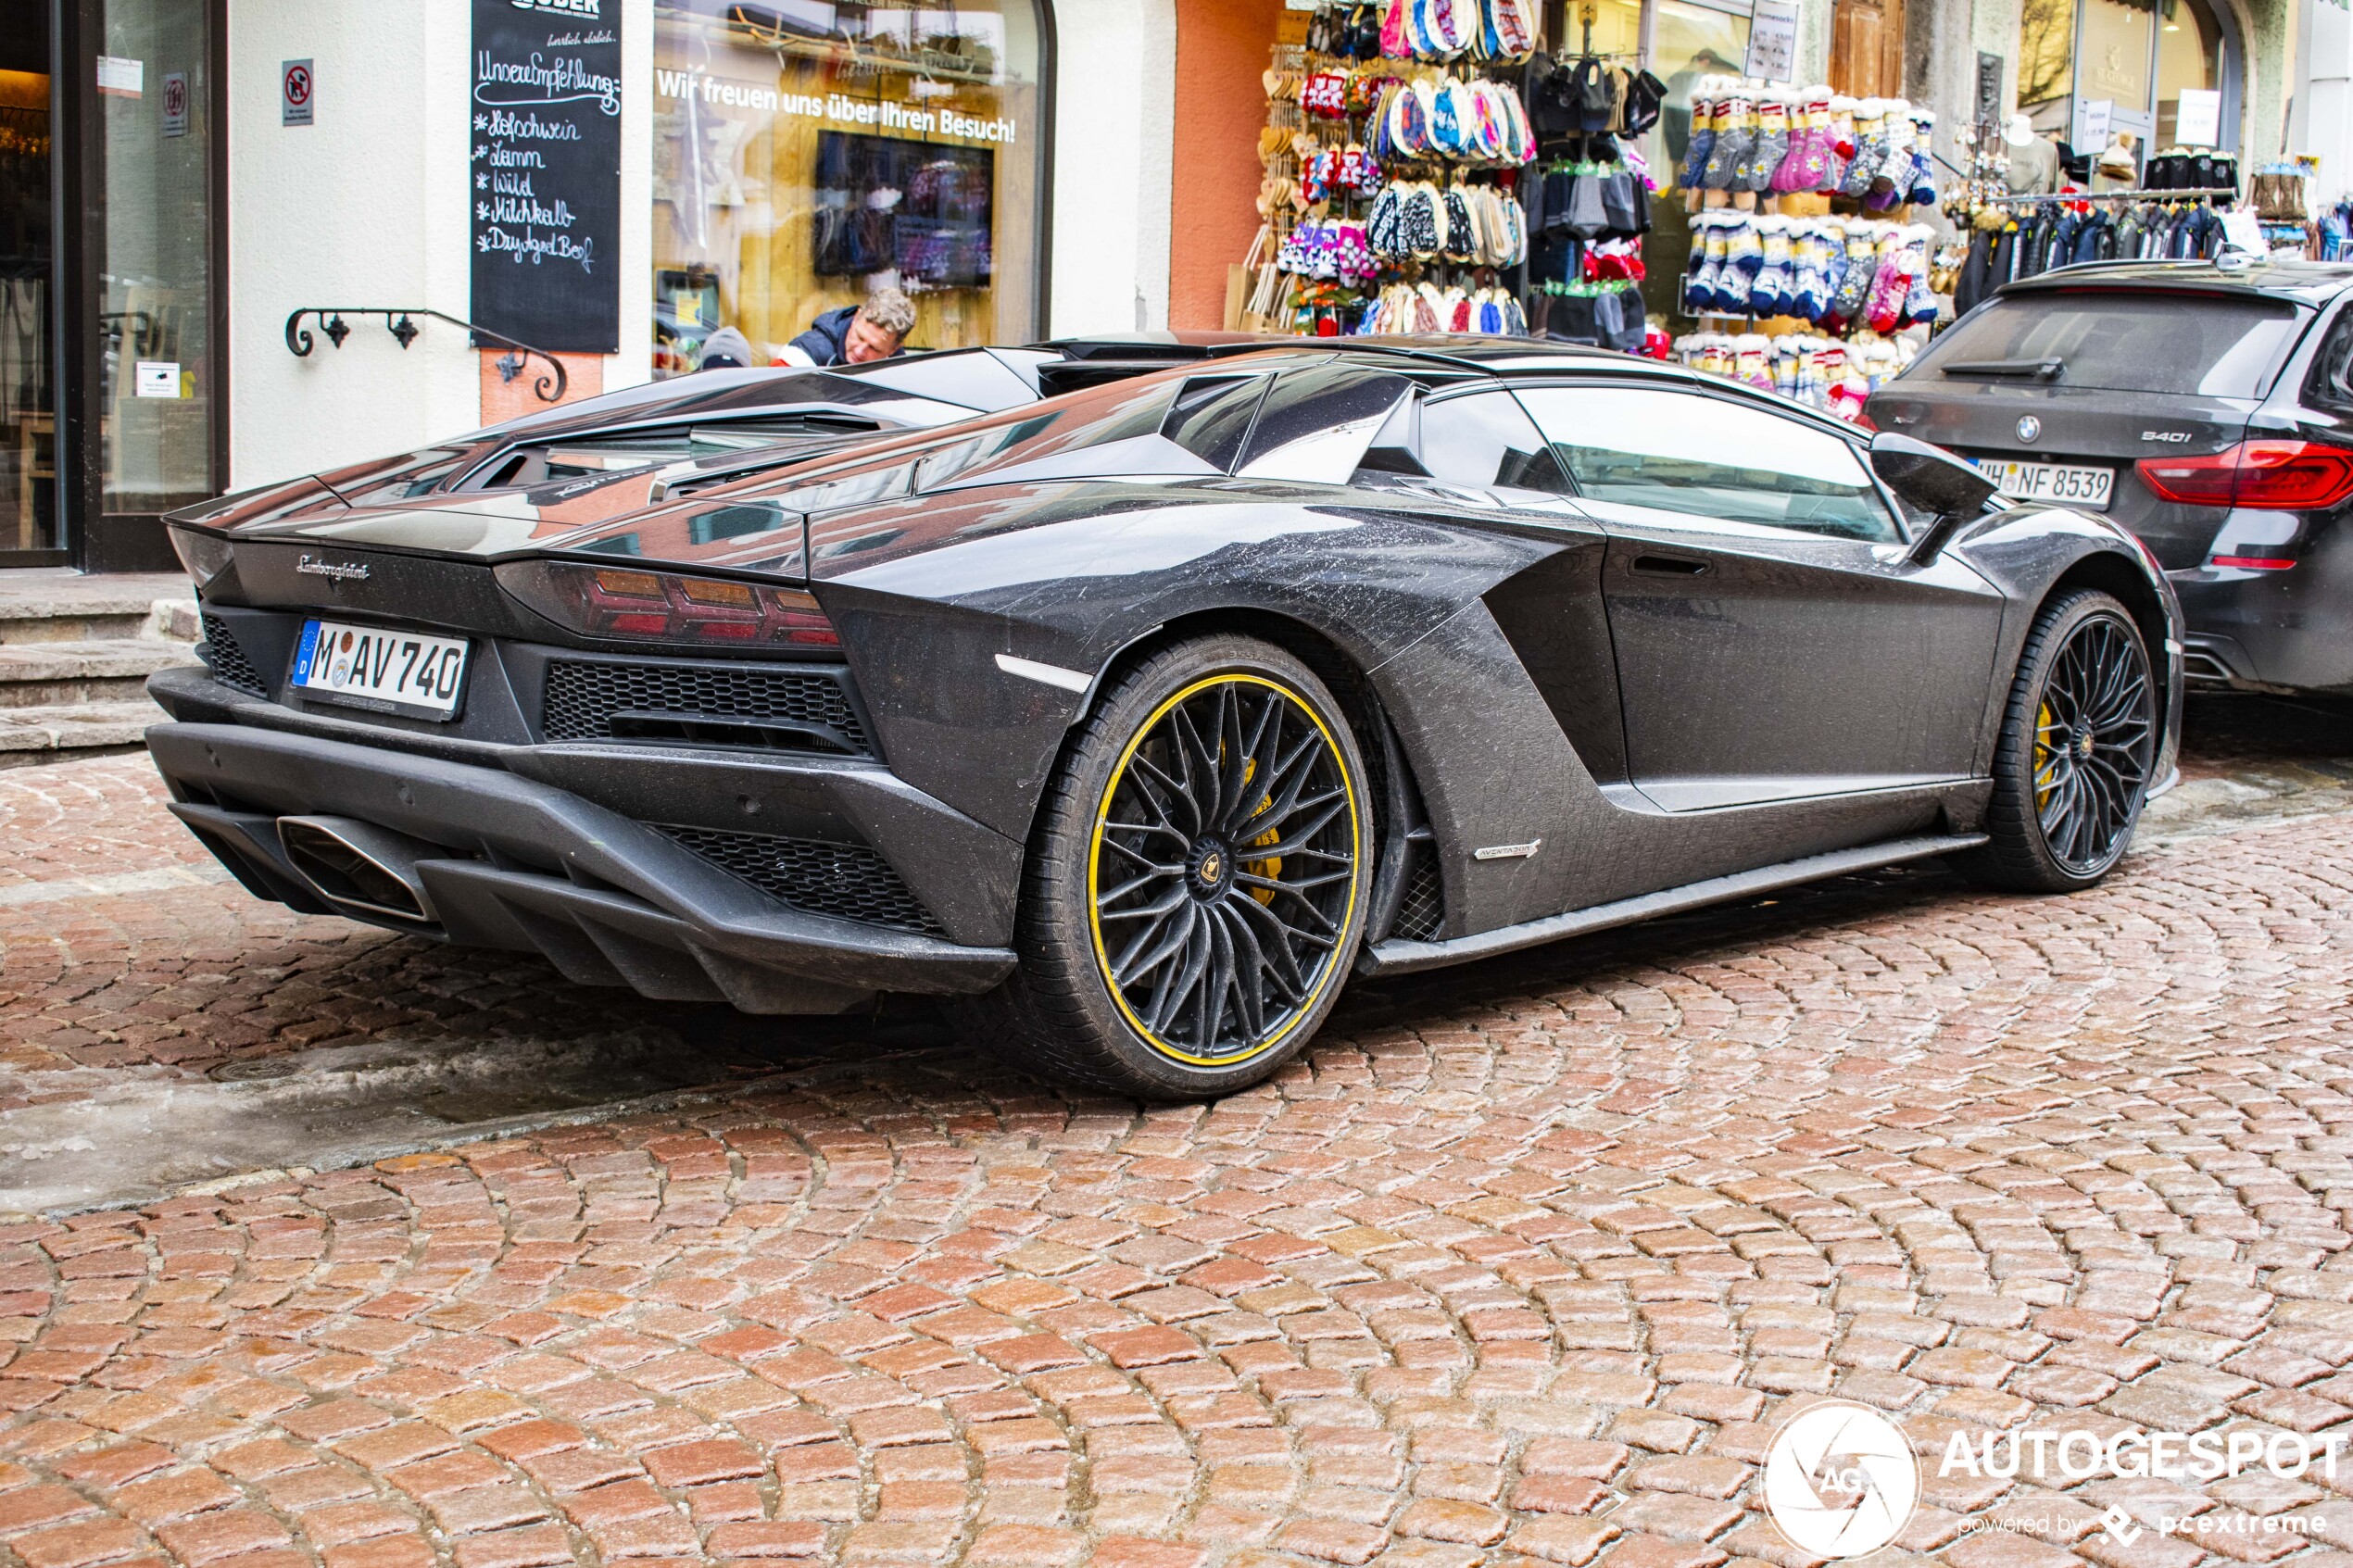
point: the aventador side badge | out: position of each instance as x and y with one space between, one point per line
1508 851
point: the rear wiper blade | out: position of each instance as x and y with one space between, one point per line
2039 370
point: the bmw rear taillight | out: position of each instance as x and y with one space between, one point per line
2294 476
629 603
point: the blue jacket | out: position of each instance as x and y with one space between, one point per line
827 340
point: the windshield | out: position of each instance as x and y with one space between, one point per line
2171 342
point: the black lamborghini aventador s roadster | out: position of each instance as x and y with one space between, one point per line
1134 720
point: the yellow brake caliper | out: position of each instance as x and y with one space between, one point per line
1270 869
2044 758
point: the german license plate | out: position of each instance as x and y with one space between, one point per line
2059 483
379 668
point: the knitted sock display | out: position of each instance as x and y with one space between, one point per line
1923 185
1870 148
1743 255
1811 294
1895 166
1753 359
1919 301
1735 138
1855 289
1891 283
1707 262
1703 140
1842 141
1808 165
1770 290
1765 155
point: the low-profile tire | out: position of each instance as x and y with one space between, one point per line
1184 927
2079 736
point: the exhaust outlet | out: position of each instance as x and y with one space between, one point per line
357 866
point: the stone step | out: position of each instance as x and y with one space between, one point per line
46 674
69 731
64 607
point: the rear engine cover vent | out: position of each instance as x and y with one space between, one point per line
848 881
230 665
784 710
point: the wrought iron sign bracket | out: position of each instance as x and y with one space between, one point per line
549 387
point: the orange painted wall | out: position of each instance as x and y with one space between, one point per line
1221 53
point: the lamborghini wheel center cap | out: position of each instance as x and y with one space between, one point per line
1213 868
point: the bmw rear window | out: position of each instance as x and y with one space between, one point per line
2207 345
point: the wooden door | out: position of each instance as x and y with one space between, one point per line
1867 48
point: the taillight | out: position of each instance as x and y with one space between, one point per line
1863 421
667 606
2273 475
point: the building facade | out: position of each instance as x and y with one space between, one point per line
240 239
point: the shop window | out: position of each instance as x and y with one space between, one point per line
807 152
2046 53
2189 58
1689 40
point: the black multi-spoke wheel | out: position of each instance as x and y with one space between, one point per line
2071 770
1224 866
1198 880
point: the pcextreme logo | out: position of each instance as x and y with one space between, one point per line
1840 1481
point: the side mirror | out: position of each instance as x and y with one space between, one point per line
1934 480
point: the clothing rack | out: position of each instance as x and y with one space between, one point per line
2202 191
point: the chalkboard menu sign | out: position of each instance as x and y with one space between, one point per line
547 172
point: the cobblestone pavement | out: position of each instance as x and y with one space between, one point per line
1520 1266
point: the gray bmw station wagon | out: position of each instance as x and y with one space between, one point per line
2206 406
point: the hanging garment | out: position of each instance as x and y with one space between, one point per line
1970 289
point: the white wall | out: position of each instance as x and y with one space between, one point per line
1115 139
2320 119
370 206
367 206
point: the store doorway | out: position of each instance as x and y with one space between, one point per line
29 518
146 328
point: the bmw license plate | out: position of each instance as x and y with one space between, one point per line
372 667
2059 482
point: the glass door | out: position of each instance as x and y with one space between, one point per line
29 534
145 391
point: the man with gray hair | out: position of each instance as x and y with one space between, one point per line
855 333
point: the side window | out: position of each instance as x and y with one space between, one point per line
1484 439
1212 415
2330 383
1710 457
1316 422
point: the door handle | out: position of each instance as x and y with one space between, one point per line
1669 566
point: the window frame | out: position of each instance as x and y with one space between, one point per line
1734 395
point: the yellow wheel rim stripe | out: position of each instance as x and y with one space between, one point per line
1330 966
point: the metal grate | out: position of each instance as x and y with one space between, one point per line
846 880
230 665
787 710
1421 914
